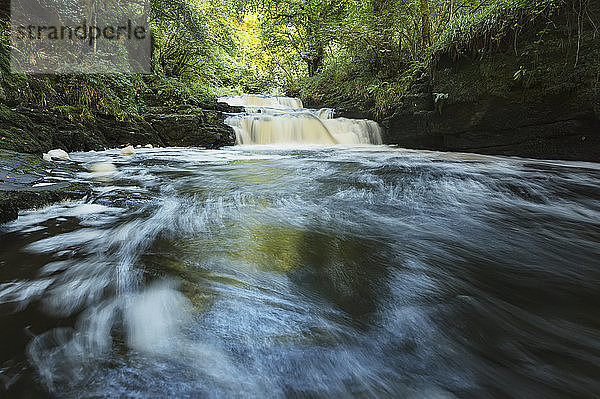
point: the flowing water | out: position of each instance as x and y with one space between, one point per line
315 271
284 120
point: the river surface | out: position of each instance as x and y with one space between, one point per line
307 272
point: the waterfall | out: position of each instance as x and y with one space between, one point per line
252 100
284 120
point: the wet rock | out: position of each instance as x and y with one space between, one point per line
27 182
198 128
37 130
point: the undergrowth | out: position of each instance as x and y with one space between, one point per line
379 92
80 97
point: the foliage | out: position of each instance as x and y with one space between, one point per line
385 46
483 27
367 52
306 26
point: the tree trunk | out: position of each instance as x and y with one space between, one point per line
315 60
314 64
425 28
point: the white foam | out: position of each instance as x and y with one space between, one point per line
56 154
155 319
102 168
252 100
129 150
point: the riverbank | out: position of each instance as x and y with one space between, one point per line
41 113
27 131
88 112
28 128
528 98
530 89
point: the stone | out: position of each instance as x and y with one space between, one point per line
30 185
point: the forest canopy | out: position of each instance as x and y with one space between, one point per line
270 45
366 49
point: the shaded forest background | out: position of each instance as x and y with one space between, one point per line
368 52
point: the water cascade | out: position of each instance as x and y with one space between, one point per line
281 120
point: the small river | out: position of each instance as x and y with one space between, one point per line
288 269
261 271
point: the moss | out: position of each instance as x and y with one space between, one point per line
76 114
5 112
75 189
20 140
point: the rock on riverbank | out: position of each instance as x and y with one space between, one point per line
530 99
28 182
30 129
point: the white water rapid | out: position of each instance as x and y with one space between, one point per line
310 272
284 120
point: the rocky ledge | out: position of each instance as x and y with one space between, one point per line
31 129
28 182
28 131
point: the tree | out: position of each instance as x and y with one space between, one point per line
308 26
425 28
